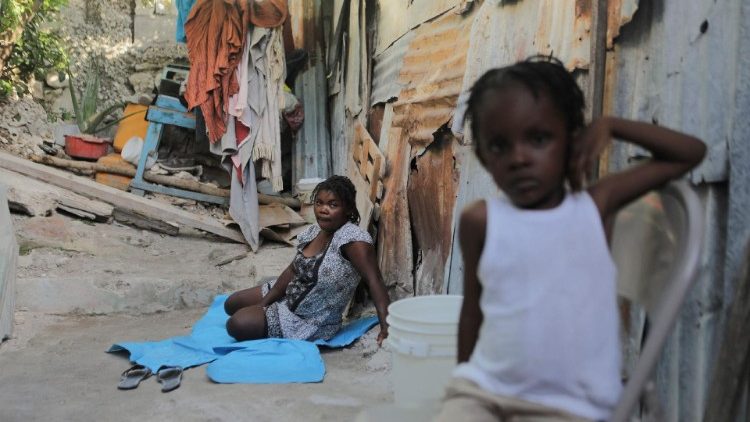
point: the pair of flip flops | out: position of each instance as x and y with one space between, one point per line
169 377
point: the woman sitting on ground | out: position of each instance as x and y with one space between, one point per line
307 300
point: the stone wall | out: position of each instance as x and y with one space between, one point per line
133 41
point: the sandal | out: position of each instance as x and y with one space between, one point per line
133 376
169 377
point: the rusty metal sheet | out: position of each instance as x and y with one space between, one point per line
386 69
297 11
391 23
394 233
474 184
445 57
432 75
505 32
619 13
431 194
356 84
396 18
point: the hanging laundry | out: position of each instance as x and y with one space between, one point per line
256 104
253 129
267 147
183 11
243 194
292 110
216 32
268 13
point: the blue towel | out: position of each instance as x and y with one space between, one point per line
282 360
268 361
349 333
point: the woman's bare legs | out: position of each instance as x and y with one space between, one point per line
248 323
247 319
243 298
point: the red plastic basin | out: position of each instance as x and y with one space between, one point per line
86 147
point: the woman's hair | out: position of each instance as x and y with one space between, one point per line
541 75
344 189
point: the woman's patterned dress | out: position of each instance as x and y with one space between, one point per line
320 290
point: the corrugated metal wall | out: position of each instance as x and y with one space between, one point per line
387 65
681 64
505 32
312 147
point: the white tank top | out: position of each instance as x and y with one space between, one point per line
550 329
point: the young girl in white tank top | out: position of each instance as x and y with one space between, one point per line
538 331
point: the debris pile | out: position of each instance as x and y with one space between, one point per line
23 127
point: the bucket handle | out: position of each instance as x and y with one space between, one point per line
417 348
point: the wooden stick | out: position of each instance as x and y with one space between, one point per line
186 184
141 221
118 198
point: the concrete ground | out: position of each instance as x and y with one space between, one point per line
82 287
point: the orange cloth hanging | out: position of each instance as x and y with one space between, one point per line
216 32
268 13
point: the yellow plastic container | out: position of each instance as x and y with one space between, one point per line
114 180
135 125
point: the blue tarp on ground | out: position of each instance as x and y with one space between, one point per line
252 361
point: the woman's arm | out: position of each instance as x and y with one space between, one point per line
673 154
471 235
362 256
279 288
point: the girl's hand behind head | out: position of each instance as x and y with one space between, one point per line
585 149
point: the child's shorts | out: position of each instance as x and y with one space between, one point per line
465 401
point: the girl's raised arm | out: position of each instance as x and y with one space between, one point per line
673 154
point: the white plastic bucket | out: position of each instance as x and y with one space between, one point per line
305 187
422 335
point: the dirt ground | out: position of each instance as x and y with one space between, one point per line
83 286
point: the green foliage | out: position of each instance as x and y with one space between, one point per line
6 87
88 119
10 14
36 50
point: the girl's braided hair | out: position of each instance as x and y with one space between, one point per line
541 75
344 189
